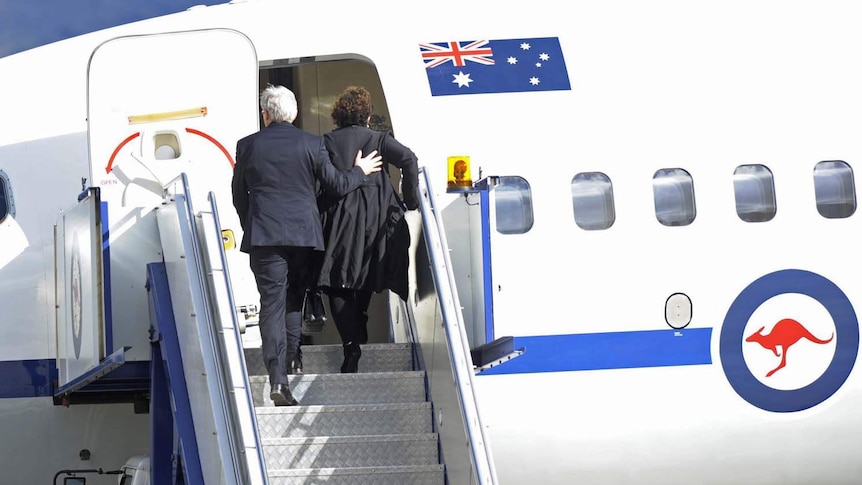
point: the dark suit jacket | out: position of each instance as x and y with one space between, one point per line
367 237
274 186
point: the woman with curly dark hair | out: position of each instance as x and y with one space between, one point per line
367 238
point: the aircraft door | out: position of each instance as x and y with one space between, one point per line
158 106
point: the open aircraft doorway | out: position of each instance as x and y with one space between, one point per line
317 82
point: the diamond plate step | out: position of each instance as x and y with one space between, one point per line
368 388
394 475
351 420
373 427
326 359
351 451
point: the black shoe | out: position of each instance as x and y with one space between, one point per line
281 396
352 353
294 362
294 366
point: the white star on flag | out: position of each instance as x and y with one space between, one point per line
462 79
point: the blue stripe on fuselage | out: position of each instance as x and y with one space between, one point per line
543 353
612 350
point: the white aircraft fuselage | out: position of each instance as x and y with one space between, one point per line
663 217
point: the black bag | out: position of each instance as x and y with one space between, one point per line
313 312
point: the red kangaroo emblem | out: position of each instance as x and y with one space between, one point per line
784 334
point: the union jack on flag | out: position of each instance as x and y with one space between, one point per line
436 54
495 66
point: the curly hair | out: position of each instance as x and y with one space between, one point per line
353 107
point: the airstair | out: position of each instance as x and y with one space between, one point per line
212 420
373 427
377 426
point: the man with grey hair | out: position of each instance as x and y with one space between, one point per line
274 193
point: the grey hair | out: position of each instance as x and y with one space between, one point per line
279 102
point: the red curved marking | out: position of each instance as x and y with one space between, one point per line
215 142
117 150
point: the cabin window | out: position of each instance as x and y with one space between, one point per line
7 205
754 189
834 189
593 201
673 193
513 204
166 146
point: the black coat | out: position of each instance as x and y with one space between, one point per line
367 238
275 182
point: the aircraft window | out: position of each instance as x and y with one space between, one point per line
754 189
673 193
513 204
593 201
7 205
167 146
834 189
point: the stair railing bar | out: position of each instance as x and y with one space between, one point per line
453 323
250 446
179 189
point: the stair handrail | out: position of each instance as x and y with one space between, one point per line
456 334
243 466
243 417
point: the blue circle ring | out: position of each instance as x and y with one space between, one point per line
846 341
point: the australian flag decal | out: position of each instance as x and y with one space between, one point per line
495 66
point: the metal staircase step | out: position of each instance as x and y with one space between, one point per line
392 475
367 388
344 420
351 451
375 427
327 359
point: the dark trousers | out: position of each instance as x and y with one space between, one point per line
350 312
281 273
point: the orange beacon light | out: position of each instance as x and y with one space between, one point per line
459 174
